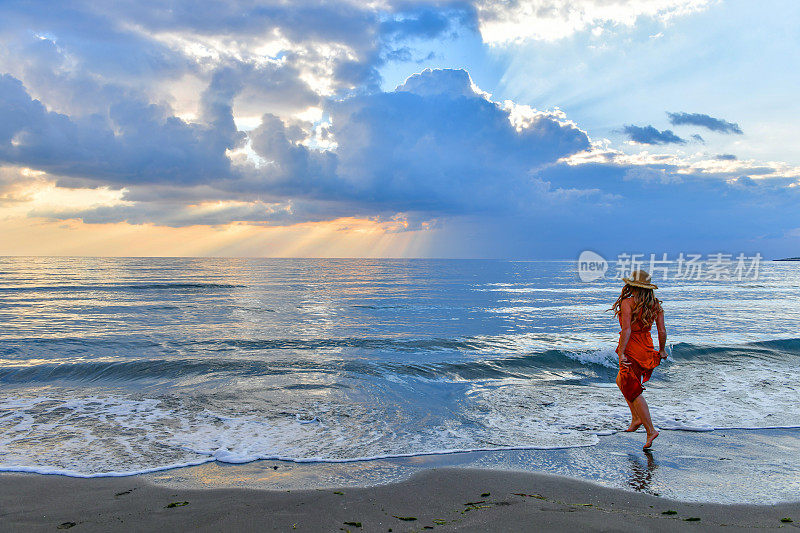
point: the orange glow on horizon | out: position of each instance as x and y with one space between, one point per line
343 237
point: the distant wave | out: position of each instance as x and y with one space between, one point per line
120 287
509 288
171 369
143 369
364 306
375 343
776 347
591 364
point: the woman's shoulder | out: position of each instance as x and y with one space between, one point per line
626 305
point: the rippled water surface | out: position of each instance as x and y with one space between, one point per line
126 365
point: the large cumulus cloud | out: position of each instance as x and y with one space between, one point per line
435 146
135 142
70 51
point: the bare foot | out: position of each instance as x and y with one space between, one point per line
634 426
650 439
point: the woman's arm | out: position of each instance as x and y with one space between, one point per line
662 335
625 334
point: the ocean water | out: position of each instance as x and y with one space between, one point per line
115 366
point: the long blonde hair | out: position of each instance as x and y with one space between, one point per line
646 306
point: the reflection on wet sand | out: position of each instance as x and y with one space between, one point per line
641 474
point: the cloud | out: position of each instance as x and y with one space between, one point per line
286 53
452 82
292 169
698 119
428 21
435 146
650 135
176 214
699 164
16 184
743 181
649 174
136 142
667 203
139 108
503 22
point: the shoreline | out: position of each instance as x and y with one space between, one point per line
445 499
722 466
728 479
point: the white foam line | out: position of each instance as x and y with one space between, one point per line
723 428
71 473
404 455
698 429
212 457
695 429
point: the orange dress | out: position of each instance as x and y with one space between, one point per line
641 355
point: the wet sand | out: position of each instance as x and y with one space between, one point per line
726 466
445 499
729 480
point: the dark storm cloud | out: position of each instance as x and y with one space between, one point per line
57 47
699 119
650 135
666 211
137 142
91 75
432 145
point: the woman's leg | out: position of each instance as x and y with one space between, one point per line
636 420
640 405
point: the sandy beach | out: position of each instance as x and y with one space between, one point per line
611 487
440 499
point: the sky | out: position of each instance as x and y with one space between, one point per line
514 129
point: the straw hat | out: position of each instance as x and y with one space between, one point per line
640 278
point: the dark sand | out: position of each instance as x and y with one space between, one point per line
444 499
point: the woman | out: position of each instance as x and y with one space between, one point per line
637 308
